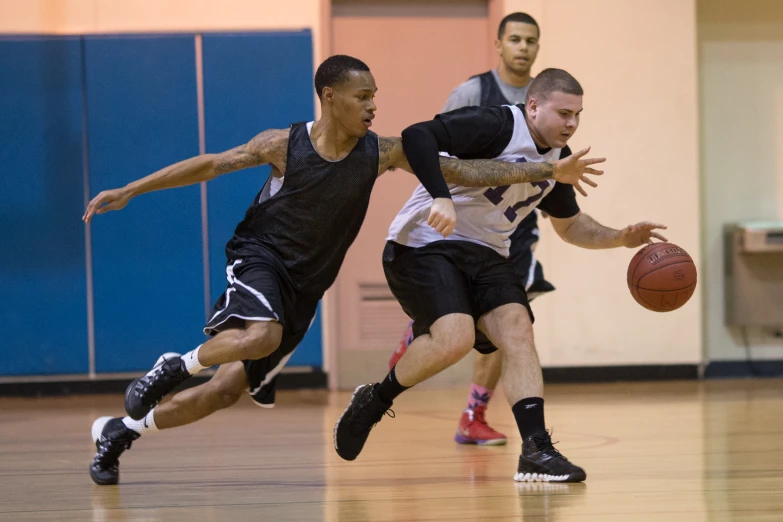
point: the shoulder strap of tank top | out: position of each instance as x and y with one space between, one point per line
490 90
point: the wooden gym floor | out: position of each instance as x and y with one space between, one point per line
676 451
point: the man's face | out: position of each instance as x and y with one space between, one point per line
352 102
519 47
555 118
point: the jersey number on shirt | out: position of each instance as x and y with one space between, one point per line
495 196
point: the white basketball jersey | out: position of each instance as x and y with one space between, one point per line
486 216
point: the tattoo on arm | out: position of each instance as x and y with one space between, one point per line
493 173
390 150
268 147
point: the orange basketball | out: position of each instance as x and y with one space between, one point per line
662 277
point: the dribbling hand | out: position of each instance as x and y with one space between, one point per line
637 235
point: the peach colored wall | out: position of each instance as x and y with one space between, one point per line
637 63
640 112
414 74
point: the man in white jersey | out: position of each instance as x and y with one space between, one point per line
451 286
517 45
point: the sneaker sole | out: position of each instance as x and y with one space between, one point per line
542 477
461 439
163 358
337 424
109 482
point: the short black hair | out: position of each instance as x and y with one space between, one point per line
516 17
334 70
553 80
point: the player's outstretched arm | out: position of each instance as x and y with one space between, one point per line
585 232
268 147
572 170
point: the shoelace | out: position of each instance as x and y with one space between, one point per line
478 415
109 452
152 382
368 414
544 443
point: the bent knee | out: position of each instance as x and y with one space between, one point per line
455 333
225 398
261 339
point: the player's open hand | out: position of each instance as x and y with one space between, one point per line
106 201
573 170
634 236
443 216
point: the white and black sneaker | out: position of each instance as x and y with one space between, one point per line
146 392
111 438
541 462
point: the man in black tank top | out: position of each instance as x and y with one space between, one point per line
517 45
283 255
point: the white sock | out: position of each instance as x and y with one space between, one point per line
191 362
147 424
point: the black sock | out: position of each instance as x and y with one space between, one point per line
529 414
390 387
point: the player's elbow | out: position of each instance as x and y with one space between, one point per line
414 133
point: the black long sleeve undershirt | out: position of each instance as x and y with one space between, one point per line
421 143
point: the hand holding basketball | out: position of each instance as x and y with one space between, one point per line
637 235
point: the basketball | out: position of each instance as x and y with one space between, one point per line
662 277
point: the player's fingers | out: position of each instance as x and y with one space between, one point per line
579 188
593 161
594 172
581 153
588 181
656 235
651 225
90 209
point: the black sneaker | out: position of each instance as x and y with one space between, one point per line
541 462
362 414
145 393
111 438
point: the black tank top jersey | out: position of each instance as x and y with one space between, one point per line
490 90
307 226
524 236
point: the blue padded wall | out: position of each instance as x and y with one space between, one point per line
252 82
42 262
148 269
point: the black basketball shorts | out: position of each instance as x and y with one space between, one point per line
447 277
259 291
